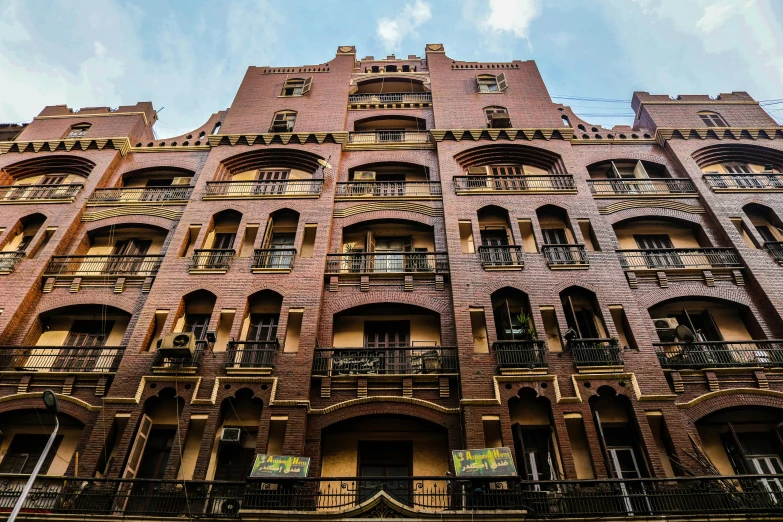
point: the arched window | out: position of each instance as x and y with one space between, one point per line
297 86
283 121
497 117
491 83
78 130
712 119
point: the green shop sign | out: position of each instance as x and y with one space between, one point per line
485 462
279 466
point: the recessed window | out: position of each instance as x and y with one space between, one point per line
296 87
78 130
713 119
283 122
491 83
497 117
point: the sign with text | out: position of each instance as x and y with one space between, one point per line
280 466
484 462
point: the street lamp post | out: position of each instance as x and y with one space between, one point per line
50 401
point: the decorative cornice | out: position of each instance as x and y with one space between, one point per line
389 205
171 148
162 212
494 134
276 138
650 203
66 144
699 102
85 116
729 391
662 134
381 398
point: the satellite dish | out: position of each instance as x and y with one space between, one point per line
325 164
570 334
684 334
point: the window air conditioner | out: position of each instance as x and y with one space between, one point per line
231 436
364 176
667 328
182 344
500 120
280 126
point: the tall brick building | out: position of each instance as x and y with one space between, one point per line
371 263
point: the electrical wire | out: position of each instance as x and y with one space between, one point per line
179 445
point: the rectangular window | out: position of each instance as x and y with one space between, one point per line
293 330
580 449
478 323
308 241
591 242
190 449
624 333
251 231
48 233
553 342
190 240
554 236
25 450
493 437
277 429
107 456
88 333
225 323
157 326
742 229
466 237
528 237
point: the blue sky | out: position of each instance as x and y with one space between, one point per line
189 57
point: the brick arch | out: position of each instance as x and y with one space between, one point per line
708 403
514 285
647 212
602 157
580 282
131 219
379 407
404 215
157 164
757 153
563 205
70 406
440 306
127 302
260 286
724 293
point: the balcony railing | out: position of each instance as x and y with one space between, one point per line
142 195
391 97
103 265
641 187
406 360
264 188
565 256
10 194
383 137
775 249
252 354
501 256
720 354
551 183
212 259
387 263
8 260
61 358
750 182
165 362
596 352
669 258
520 354
388 189
273 259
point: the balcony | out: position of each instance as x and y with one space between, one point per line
99 266
680 258
775 249
174 195
520 354
273 260
211 260
720 354
39 193
264 189
745 182
388 189
8 261
649 187
389 139
565 256
388 263
64 359
551 184
251 356
331 362
168 364
507 257
596 352
391 100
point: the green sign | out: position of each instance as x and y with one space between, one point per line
485 462
280 466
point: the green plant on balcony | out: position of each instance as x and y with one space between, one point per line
526 328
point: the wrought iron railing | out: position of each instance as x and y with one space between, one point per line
596 352
565 255
212 258
39 192
387 262
496 256
744 181
388 189
113 196
389 137
718 354
61 358
163 361
104 265
533 183
8 260
406 360
274 258
252 354
775 249
667 258
641 186
391 97
264 188
520 354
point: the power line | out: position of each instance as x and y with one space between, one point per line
583 98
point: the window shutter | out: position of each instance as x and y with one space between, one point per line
502 83
138 448
602 443
639 171
519 449
568 307
307 84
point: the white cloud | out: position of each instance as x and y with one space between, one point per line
513 16
392 31
714 16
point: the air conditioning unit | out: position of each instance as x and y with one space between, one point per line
500 120
666 323
231 436
181 181
182 344
280 126
477 171
364 176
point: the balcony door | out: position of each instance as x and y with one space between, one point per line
263 329
706 348
223 241
82 339
757 453
558 252
389 255
657 242
390 463
198 324
132 250
533 447
387 337
281 245
271 181
47 192
744 177
144 496
495 241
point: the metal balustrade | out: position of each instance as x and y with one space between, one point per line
388 189
252 354
565 255
750 182
212 258
775 249
163 362
501 256
387 263
141 266
520 354
391 97
274 258
120 195
264 188
596 352
8 260
61 358
720 354
669 258
380 137
533 183
406 360
641 187
15 193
